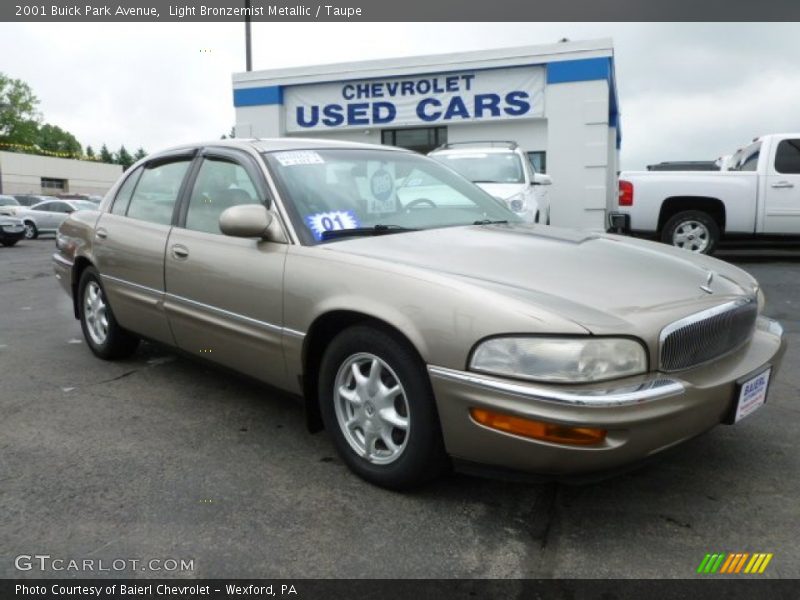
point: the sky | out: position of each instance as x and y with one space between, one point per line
687 91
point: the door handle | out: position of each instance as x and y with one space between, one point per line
783 184
102 234
179 251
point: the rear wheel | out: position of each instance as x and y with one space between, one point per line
692 230
105 337
377 404
31 232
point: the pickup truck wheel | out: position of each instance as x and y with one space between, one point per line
692 230
106 339
378 407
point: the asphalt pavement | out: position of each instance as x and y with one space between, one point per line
159 457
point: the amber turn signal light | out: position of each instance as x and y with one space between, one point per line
539 430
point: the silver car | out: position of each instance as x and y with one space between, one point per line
420 321
45 217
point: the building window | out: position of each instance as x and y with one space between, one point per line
52 186
419 139
538 160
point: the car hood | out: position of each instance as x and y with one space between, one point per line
502 190
602 282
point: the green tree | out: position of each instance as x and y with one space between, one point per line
231 135
51 138
89 152
105 155
19 115
124 158
140 154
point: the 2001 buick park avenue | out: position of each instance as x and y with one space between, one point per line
417 317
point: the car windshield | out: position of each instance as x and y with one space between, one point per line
8 201
485 167
376 191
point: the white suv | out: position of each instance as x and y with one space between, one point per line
503 170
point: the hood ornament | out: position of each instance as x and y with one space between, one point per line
707 287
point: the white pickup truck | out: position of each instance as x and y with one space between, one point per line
758 196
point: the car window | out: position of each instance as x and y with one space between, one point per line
125 192
27 200
44 206
485 167
750 163
8 201
84 205
220 184
61 207
787 157
157 190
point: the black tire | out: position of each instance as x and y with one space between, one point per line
423 456
9 243
708 238
118 343
31 232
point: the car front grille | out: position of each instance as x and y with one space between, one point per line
707 335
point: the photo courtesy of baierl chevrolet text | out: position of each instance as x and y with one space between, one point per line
433 300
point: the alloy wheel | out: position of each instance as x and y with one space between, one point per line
691 235
95 312
371 408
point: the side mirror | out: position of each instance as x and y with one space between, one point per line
541 179
246 220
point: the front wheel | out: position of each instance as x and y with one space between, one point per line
378 406
31 232
105 337
9 243
692 230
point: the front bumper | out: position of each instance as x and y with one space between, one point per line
10 233
643 415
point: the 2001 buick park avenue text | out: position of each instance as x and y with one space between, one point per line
403 306
86 10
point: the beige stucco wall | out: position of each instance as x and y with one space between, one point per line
22 173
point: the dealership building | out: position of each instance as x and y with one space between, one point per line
557 101
32 174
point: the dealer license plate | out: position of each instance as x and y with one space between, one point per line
752 395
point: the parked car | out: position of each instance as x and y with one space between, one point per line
8 204
417 333
31 199
756 195
503 170
45 217
11 230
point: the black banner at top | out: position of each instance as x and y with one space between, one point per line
398 10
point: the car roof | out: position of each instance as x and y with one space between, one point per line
474 150
278 144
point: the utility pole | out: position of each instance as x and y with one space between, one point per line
247 45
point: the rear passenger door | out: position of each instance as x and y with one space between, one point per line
225 294
782 203
130 242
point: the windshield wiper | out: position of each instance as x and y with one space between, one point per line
359 231
490 222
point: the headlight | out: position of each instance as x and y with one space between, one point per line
560 360
517 203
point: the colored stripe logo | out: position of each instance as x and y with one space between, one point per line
735 563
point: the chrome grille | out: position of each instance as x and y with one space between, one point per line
707 335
